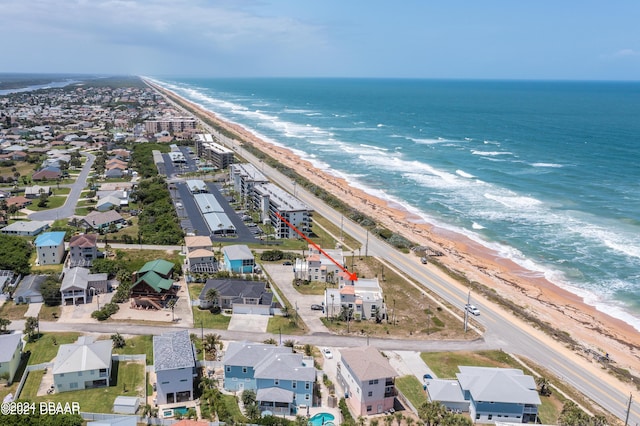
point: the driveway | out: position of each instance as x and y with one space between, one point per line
282 276
249 322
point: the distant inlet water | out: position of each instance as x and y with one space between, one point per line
545 173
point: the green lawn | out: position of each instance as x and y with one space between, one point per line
204 318
411 387
138 345
12 311
49 313
53 202
46 347
130 381
279 324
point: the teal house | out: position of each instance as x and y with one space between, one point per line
239 259
283 380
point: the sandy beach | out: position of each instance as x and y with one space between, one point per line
566 311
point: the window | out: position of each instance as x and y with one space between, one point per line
294 384
306 396
490 417
276 382
183 380
244 369
228 369
373 382
370 393
307 385
73 385
369 408
477 416
79 373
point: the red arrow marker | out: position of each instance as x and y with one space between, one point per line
352 276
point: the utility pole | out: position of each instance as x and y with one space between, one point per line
626 420
341 226
366 246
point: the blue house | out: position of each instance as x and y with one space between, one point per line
239 259
283 380
499 394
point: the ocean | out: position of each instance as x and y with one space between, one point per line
545 173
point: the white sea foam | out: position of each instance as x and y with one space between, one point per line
476 225
491 153
550 165
514 201
464 174
377 148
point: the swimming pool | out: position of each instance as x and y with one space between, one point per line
321 419
172 412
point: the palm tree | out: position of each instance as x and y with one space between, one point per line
211 345
398 415
212 296
410 421
388 420
252 411
544 388
4 323
431 412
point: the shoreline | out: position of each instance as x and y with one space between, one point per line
565 310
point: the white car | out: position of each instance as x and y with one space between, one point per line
472 309
327 353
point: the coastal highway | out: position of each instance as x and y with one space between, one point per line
503 330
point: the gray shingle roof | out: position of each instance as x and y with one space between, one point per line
172 351
445 390
237 252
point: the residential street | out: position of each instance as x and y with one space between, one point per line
69 207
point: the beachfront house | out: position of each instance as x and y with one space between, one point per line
367 379
102 221
283 380
363 298
25 228
85 364
318 267
50 248
174 363
504 394
10 355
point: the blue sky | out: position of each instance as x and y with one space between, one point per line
582 40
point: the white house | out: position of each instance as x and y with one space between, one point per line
85 364
174 362
362 297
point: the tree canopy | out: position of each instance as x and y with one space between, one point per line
15 253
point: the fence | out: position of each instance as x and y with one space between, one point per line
27 370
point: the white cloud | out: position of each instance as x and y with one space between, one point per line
623 53
173 29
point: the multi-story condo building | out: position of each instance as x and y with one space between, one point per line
172 125
207 149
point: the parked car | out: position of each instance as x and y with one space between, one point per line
287 263
427 377
327 353
472 309
316 307
423 259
